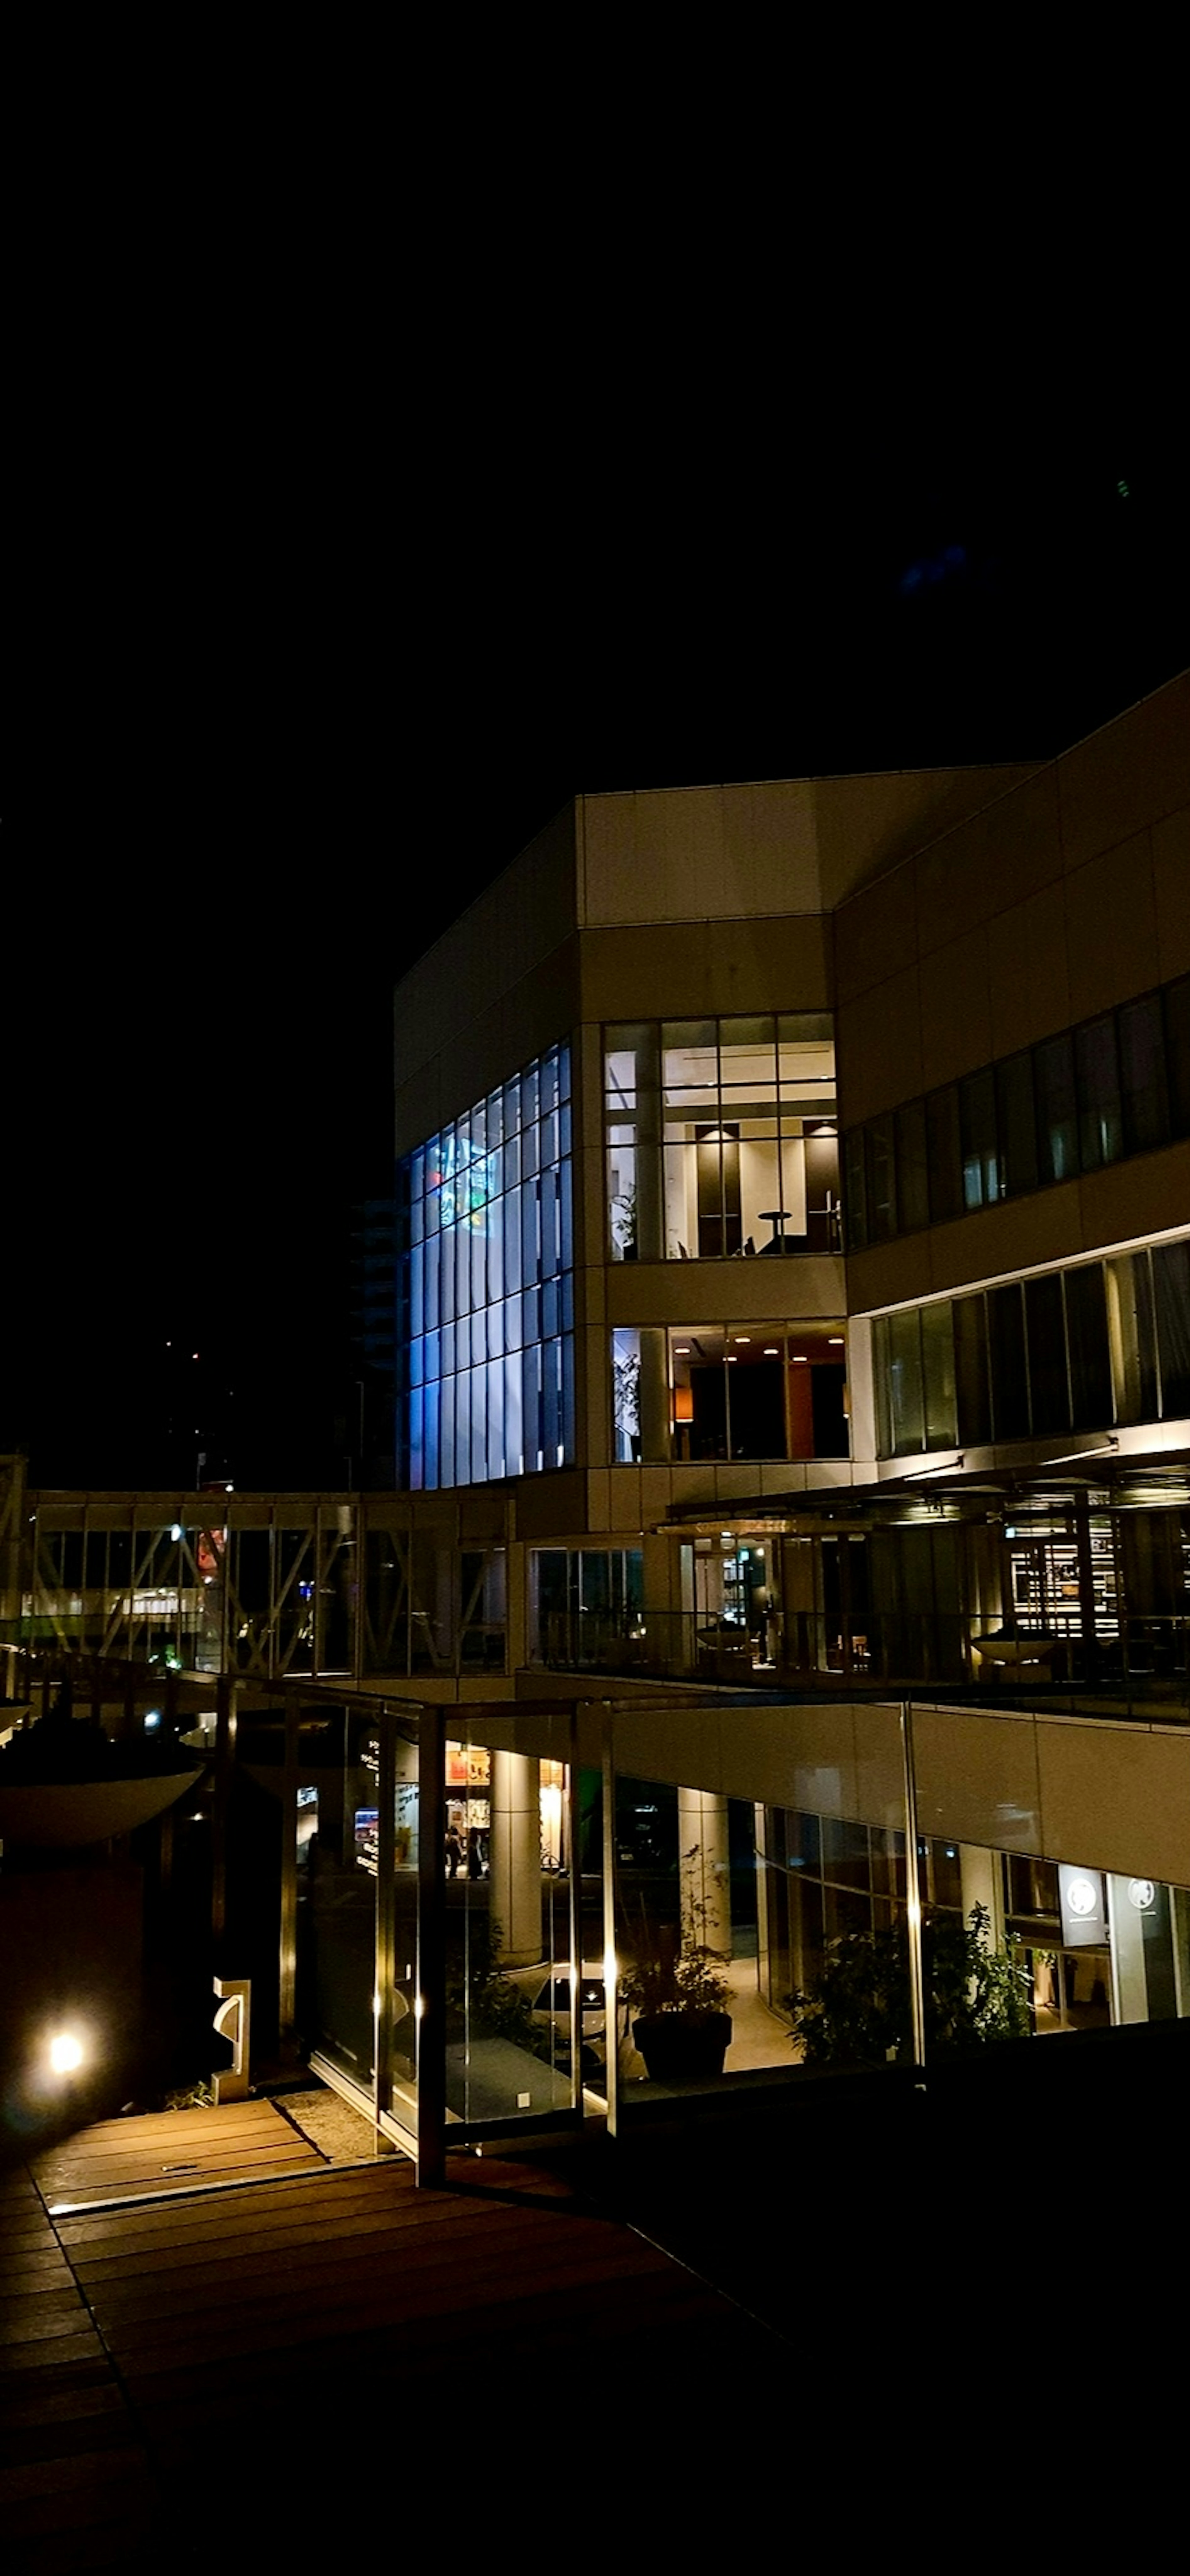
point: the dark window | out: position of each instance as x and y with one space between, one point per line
977 1113
913 1166
971 1372
1010 1387
882 1180
904 1376
1171 1281
1134 1336
1090 1366
1048 1381
946 1168
1142 1075
1177 1054
855 1190
1100 1127
937 1352
1057 1128
1017 1124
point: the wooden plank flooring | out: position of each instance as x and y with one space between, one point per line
194 2377
167 2151
76 2488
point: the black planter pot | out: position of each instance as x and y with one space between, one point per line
683 2047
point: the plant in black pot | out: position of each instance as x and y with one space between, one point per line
676 1984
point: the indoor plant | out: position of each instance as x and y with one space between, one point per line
676 1982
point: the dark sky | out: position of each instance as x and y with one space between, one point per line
335 704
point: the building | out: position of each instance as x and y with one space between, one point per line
793 1360
795 1287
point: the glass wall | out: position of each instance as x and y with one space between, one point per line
1113 1086
721 1138
1082 1349
713 1391
485 1322
586 1606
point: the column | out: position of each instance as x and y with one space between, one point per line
706 1881
515 1852
982 1878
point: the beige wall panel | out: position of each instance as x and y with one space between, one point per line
770 834
680 1744
878 1046
593 1405
521 919
879 1765
1126 775
623 1488
654 1495
890 1274
1144 1197
867 826
1171 886
987 865
1117 1798
606 836
478 1047
1111 928
693 1484
956 1012
875 935
786 1476
685 970
1028 987
549 1506
678 859
977 1778
1022 1235
734 1484
726 1292
598 1501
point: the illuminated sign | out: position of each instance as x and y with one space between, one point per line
1080 1894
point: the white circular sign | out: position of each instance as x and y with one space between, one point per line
1141 1893
1082 1896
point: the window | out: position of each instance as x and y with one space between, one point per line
1069 1350
709 1392
720 1138
485 1288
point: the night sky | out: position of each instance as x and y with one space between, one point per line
336 706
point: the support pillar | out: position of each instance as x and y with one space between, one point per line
431 1950
705 1866
981 1874
515 1851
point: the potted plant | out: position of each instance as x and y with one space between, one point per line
677 1985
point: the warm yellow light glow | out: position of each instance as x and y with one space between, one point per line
65 2052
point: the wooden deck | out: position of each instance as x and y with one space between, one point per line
186 2381
170 2151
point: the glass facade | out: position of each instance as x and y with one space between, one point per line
1112 1087
696 1392
1081 1349
720 1138
485 1315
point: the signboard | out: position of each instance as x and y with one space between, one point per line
1084 1920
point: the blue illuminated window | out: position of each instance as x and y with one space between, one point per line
485 1324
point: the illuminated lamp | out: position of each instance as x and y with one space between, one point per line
683 1404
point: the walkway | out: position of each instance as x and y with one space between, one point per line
183 2381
